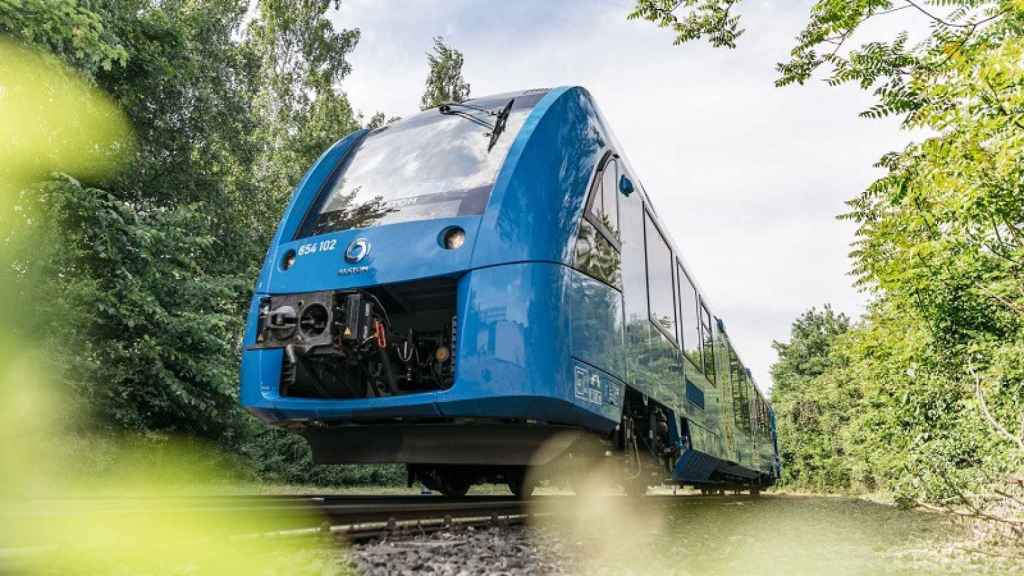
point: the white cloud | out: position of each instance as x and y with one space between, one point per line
748 177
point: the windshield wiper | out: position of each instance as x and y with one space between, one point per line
500 120
499 124
447 110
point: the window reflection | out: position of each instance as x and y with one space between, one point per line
347 213
609 193
741 410
603 207
659 280
690 329
596 254
428 166
596 257
709 342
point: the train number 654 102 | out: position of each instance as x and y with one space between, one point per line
314 247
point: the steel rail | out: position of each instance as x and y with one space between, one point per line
276 514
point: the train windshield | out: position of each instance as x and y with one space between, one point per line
431 165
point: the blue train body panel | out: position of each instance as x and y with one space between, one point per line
534 334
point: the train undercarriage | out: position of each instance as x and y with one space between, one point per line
639 454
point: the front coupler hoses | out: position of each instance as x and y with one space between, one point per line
387 371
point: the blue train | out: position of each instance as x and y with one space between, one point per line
484 287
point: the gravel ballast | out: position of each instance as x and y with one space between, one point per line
509 550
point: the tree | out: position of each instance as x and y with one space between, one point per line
444 81
152 308
812 404
707 18
301 108
940 240
47 24
149 275
157 260
380 119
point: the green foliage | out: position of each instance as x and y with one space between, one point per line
924 396
712 19
444 81
940 242
155 327
812 402
380 119
149 270
283 456
65 27
301 108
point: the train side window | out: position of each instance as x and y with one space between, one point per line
660 294
709 341
597 246
634 268
689 327
738 391
595 256
755 412
603 204
746 399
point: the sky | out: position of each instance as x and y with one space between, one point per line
748 178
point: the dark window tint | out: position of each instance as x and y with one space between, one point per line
596 256
690 327
694 394
659 280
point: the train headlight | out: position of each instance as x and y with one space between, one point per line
453 238
442 354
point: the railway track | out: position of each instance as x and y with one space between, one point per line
226 518
364 517
351 517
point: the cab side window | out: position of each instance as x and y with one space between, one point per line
610 197
603 204
597 243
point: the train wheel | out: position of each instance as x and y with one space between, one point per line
453 485
522 487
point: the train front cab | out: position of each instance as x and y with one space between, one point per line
499 301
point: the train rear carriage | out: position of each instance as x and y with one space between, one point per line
457 290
